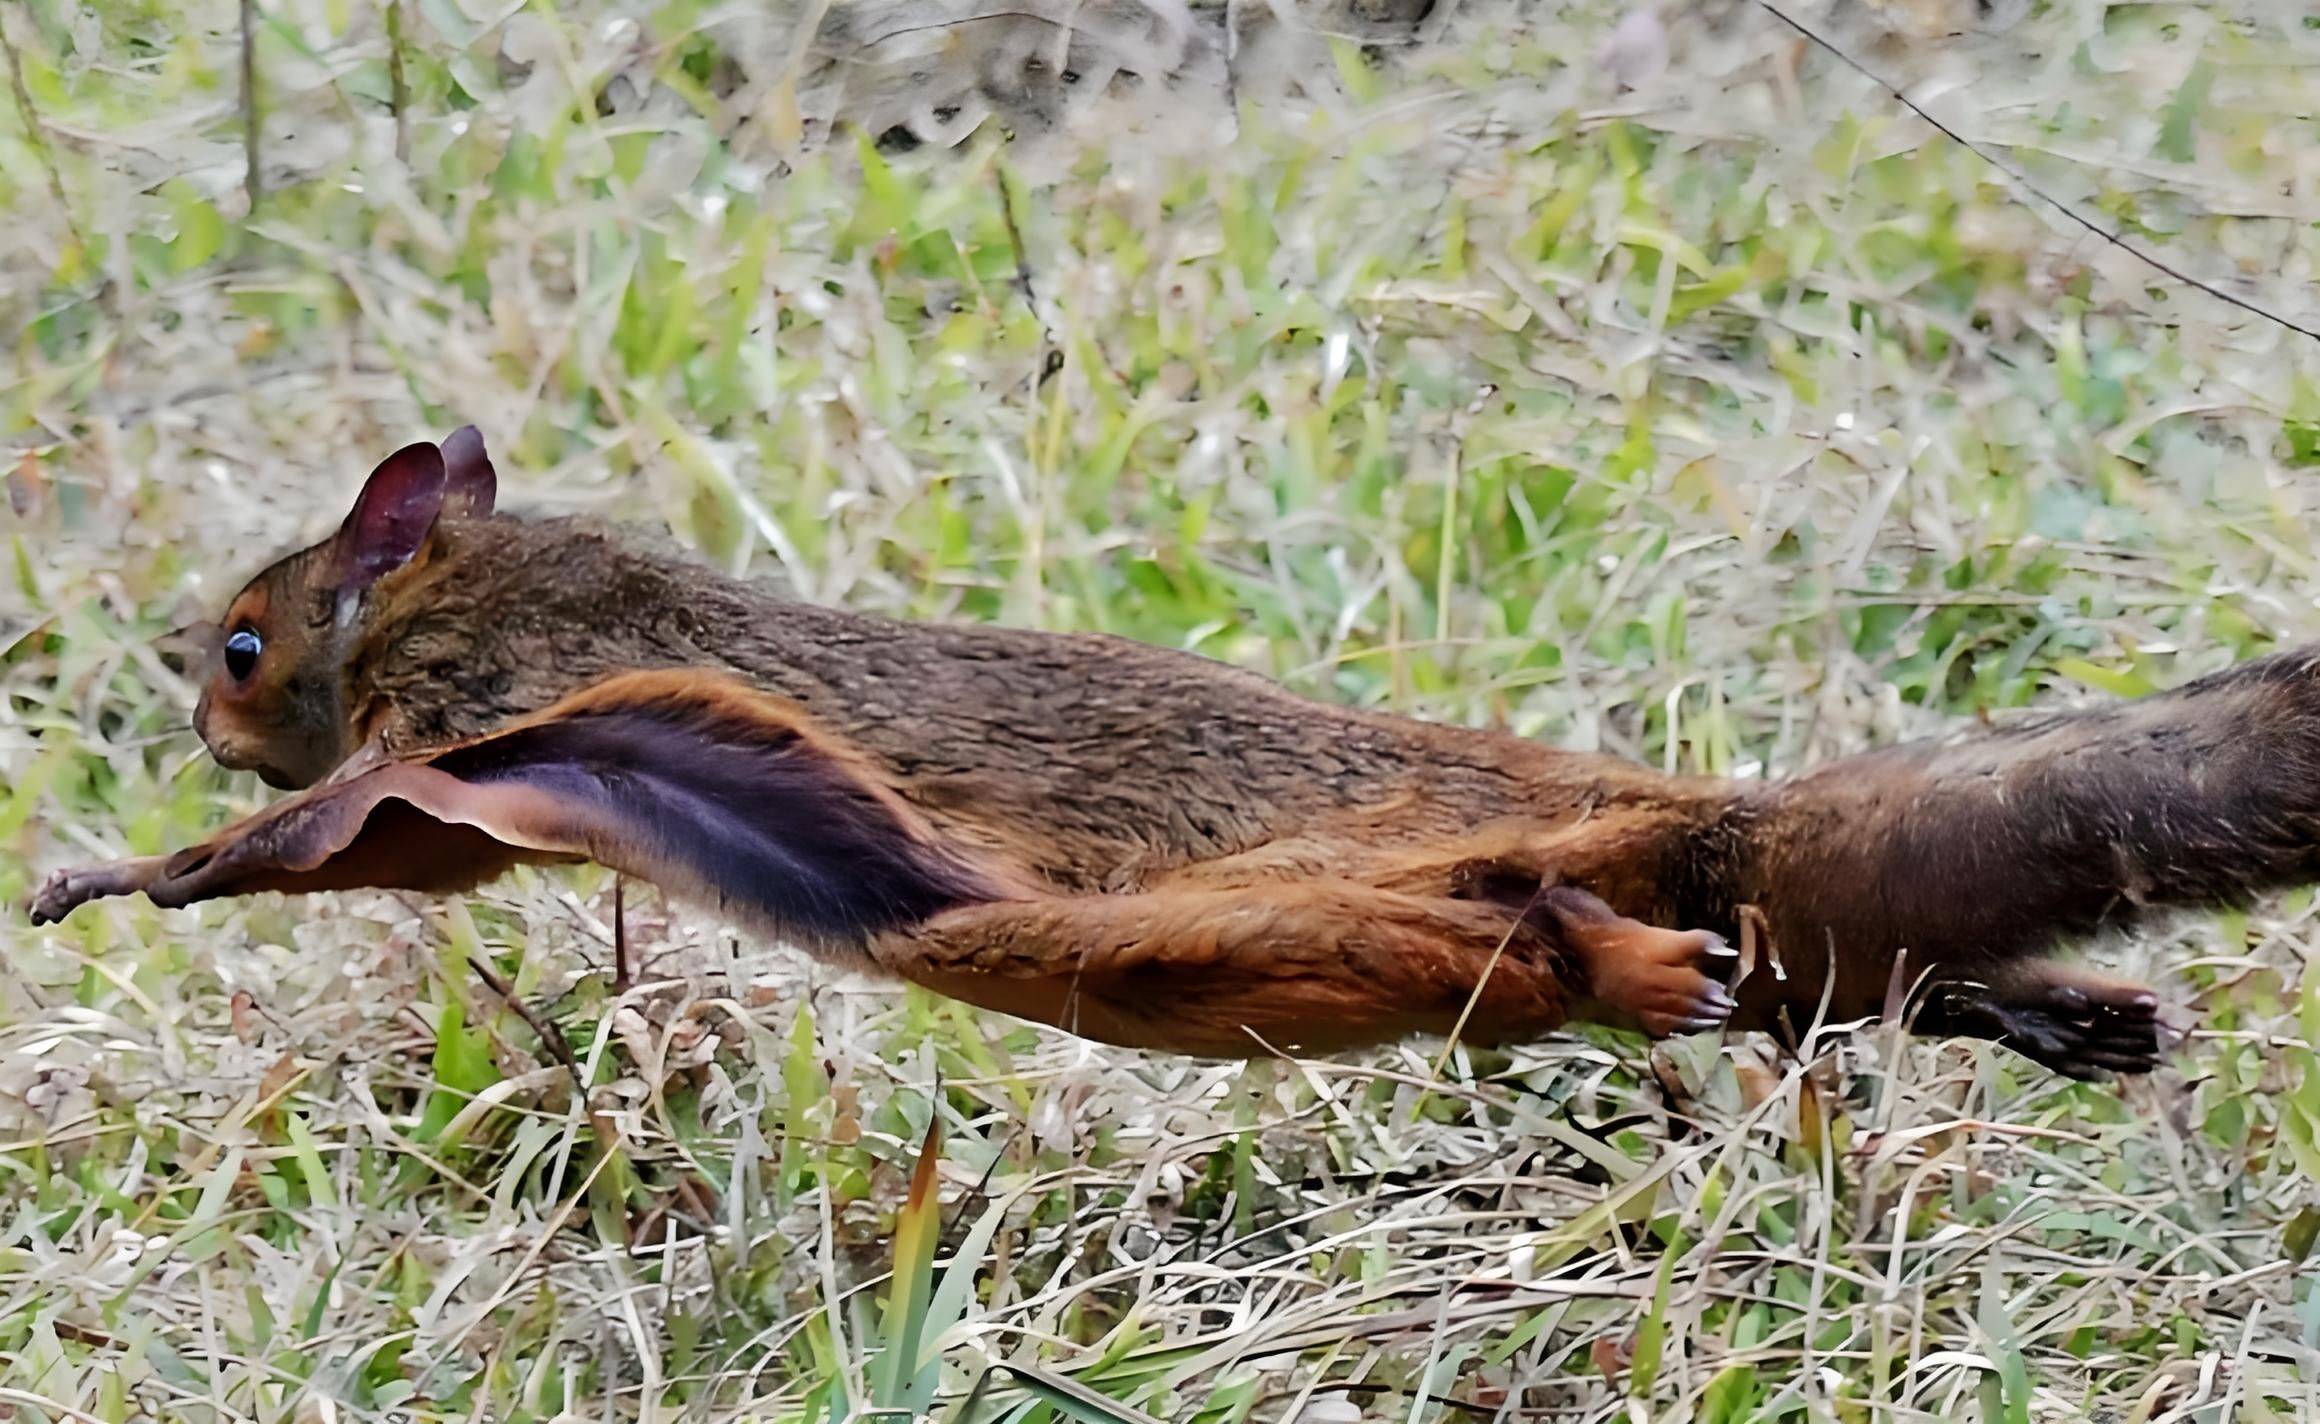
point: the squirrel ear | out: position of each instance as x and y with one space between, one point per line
391 517
470 485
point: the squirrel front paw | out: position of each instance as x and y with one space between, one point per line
69 889
55 898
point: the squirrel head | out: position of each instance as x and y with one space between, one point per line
278 700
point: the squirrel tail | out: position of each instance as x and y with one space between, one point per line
1971 858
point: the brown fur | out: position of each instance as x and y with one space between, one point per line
1098 761
1193 855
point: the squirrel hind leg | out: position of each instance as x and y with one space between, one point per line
1665 982
2078 1022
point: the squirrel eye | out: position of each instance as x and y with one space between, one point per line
242 651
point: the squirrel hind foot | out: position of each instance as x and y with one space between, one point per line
1661 981
2074 1021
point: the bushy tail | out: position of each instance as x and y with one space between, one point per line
1979 852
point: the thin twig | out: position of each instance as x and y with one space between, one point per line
253 181
38 133
398 87
1232 86
623 972
1051 358
1014 236
2021 181
550 1036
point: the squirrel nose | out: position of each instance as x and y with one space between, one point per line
223 749
234 758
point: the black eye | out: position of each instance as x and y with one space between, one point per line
242 651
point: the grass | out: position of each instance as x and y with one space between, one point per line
1730 422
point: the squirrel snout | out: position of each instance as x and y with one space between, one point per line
234 758
240 753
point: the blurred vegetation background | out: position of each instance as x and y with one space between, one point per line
1646 380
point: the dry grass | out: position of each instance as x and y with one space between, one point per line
1730 421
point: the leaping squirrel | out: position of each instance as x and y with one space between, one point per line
1151 848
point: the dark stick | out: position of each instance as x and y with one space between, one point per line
623 973
1014 236
1051 358
551 1037
253 181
